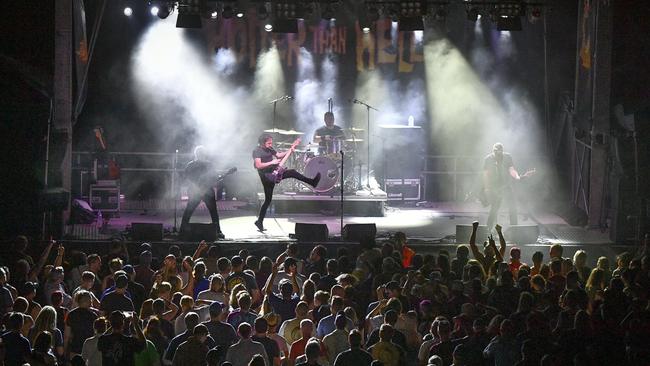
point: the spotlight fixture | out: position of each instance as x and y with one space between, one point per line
154 10
268 27
128 11
214 14
365 30
412 8
164 11
240 14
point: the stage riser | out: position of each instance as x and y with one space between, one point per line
356 208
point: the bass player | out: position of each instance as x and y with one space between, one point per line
270 167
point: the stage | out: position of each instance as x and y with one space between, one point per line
429 227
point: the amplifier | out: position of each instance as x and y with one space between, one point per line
403 189
105 198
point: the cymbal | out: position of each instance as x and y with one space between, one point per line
276 130
292 132
354 129
354 140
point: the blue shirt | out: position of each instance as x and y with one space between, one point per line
285 308
327 326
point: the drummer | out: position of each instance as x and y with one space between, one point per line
328 135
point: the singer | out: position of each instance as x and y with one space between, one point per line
498 173
326 134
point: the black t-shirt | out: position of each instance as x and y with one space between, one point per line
498 171
118 349
265 155
335 131
196 173
17 348
270 346
80 320
236 278
222 333
114 301
356 357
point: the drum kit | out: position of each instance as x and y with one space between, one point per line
325 158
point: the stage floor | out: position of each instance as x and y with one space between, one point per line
430 228
430 222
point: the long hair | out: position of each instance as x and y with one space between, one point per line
45 321
263 138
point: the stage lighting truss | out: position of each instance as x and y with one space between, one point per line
286 9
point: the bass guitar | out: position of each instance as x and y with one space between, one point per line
276 175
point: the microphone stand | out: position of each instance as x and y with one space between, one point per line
368 108
175 192
275 105
342 188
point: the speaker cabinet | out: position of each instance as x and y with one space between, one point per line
522 234
199 231
356 232
311 232
463 232
145 231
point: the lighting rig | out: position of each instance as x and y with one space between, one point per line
282 15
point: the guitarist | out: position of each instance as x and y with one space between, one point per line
498 172
266 160
200 189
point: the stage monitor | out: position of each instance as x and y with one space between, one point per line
356 232
311 232
146 231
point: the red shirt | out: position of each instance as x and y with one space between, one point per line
407 255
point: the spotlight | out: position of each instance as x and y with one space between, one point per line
128 11
366 30
154 10
268 27
240 14
163 12
227 12
214 14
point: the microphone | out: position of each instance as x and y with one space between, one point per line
355 101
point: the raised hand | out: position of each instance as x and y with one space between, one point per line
498 228
475 224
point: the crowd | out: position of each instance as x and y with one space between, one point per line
367 305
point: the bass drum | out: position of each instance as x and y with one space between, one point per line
329 172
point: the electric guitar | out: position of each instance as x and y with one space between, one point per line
276 175
224 175
482 196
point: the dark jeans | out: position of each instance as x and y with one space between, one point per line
210 200
495 199
268 189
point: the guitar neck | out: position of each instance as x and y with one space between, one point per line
284 158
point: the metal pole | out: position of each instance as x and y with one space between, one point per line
368 139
